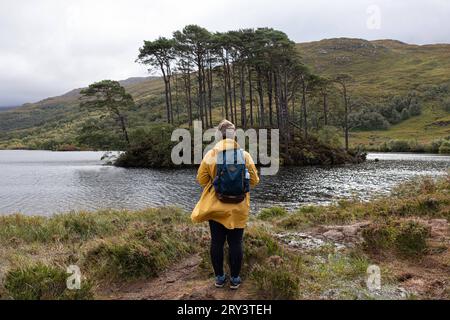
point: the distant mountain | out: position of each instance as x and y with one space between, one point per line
75 93
5 108
379 69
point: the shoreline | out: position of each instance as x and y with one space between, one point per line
119 251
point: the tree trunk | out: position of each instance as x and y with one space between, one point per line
261 101
230 93
305 110
166 93
188 97
234 96
200 91
242 89
170 98
225 91
205 104
270 97
250 93
124 128
210 87
277 98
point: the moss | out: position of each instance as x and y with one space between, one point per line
43 282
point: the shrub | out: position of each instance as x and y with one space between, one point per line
273 212
411 238
408 238
141 254
42 282
369 120
150 148
279 283
124 259
330 136
445 147
433 147
398 146
379 235
446 104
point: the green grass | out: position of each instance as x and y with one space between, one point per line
43 282
113 247
108 246
420 198
407 238
272 212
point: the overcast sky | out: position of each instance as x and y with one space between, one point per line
48 47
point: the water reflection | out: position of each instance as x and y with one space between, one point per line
39 182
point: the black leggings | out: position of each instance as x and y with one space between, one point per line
234 238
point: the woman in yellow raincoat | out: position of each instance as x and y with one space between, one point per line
226 220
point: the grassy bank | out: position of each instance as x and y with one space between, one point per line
314 252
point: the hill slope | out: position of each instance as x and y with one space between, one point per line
385 68
379 69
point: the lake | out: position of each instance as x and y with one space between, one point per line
45 182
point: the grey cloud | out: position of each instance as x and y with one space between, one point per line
48 47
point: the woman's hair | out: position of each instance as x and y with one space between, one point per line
226 129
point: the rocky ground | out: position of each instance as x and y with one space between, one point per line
427 278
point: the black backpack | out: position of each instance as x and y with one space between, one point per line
232 179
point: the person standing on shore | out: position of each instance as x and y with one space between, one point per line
226 174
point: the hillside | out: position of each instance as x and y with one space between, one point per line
385 68
380 69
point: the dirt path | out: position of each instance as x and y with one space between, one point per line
181 281
427 277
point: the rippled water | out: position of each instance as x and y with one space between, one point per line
43 182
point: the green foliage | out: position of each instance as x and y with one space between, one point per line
408 238
143 252
79 226
329 135
444 148
399 146
385 72
43 282
151 148
411 238
100 135
379 236
270 213
276 284
111 98
446 104
369 120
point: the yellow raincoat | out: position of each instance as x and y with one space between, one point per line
209 207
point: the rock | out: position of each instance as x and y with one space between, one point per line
334 235
350 231
438 227
440 224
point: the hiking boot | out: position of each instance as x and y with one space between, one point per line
235 282
220 281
